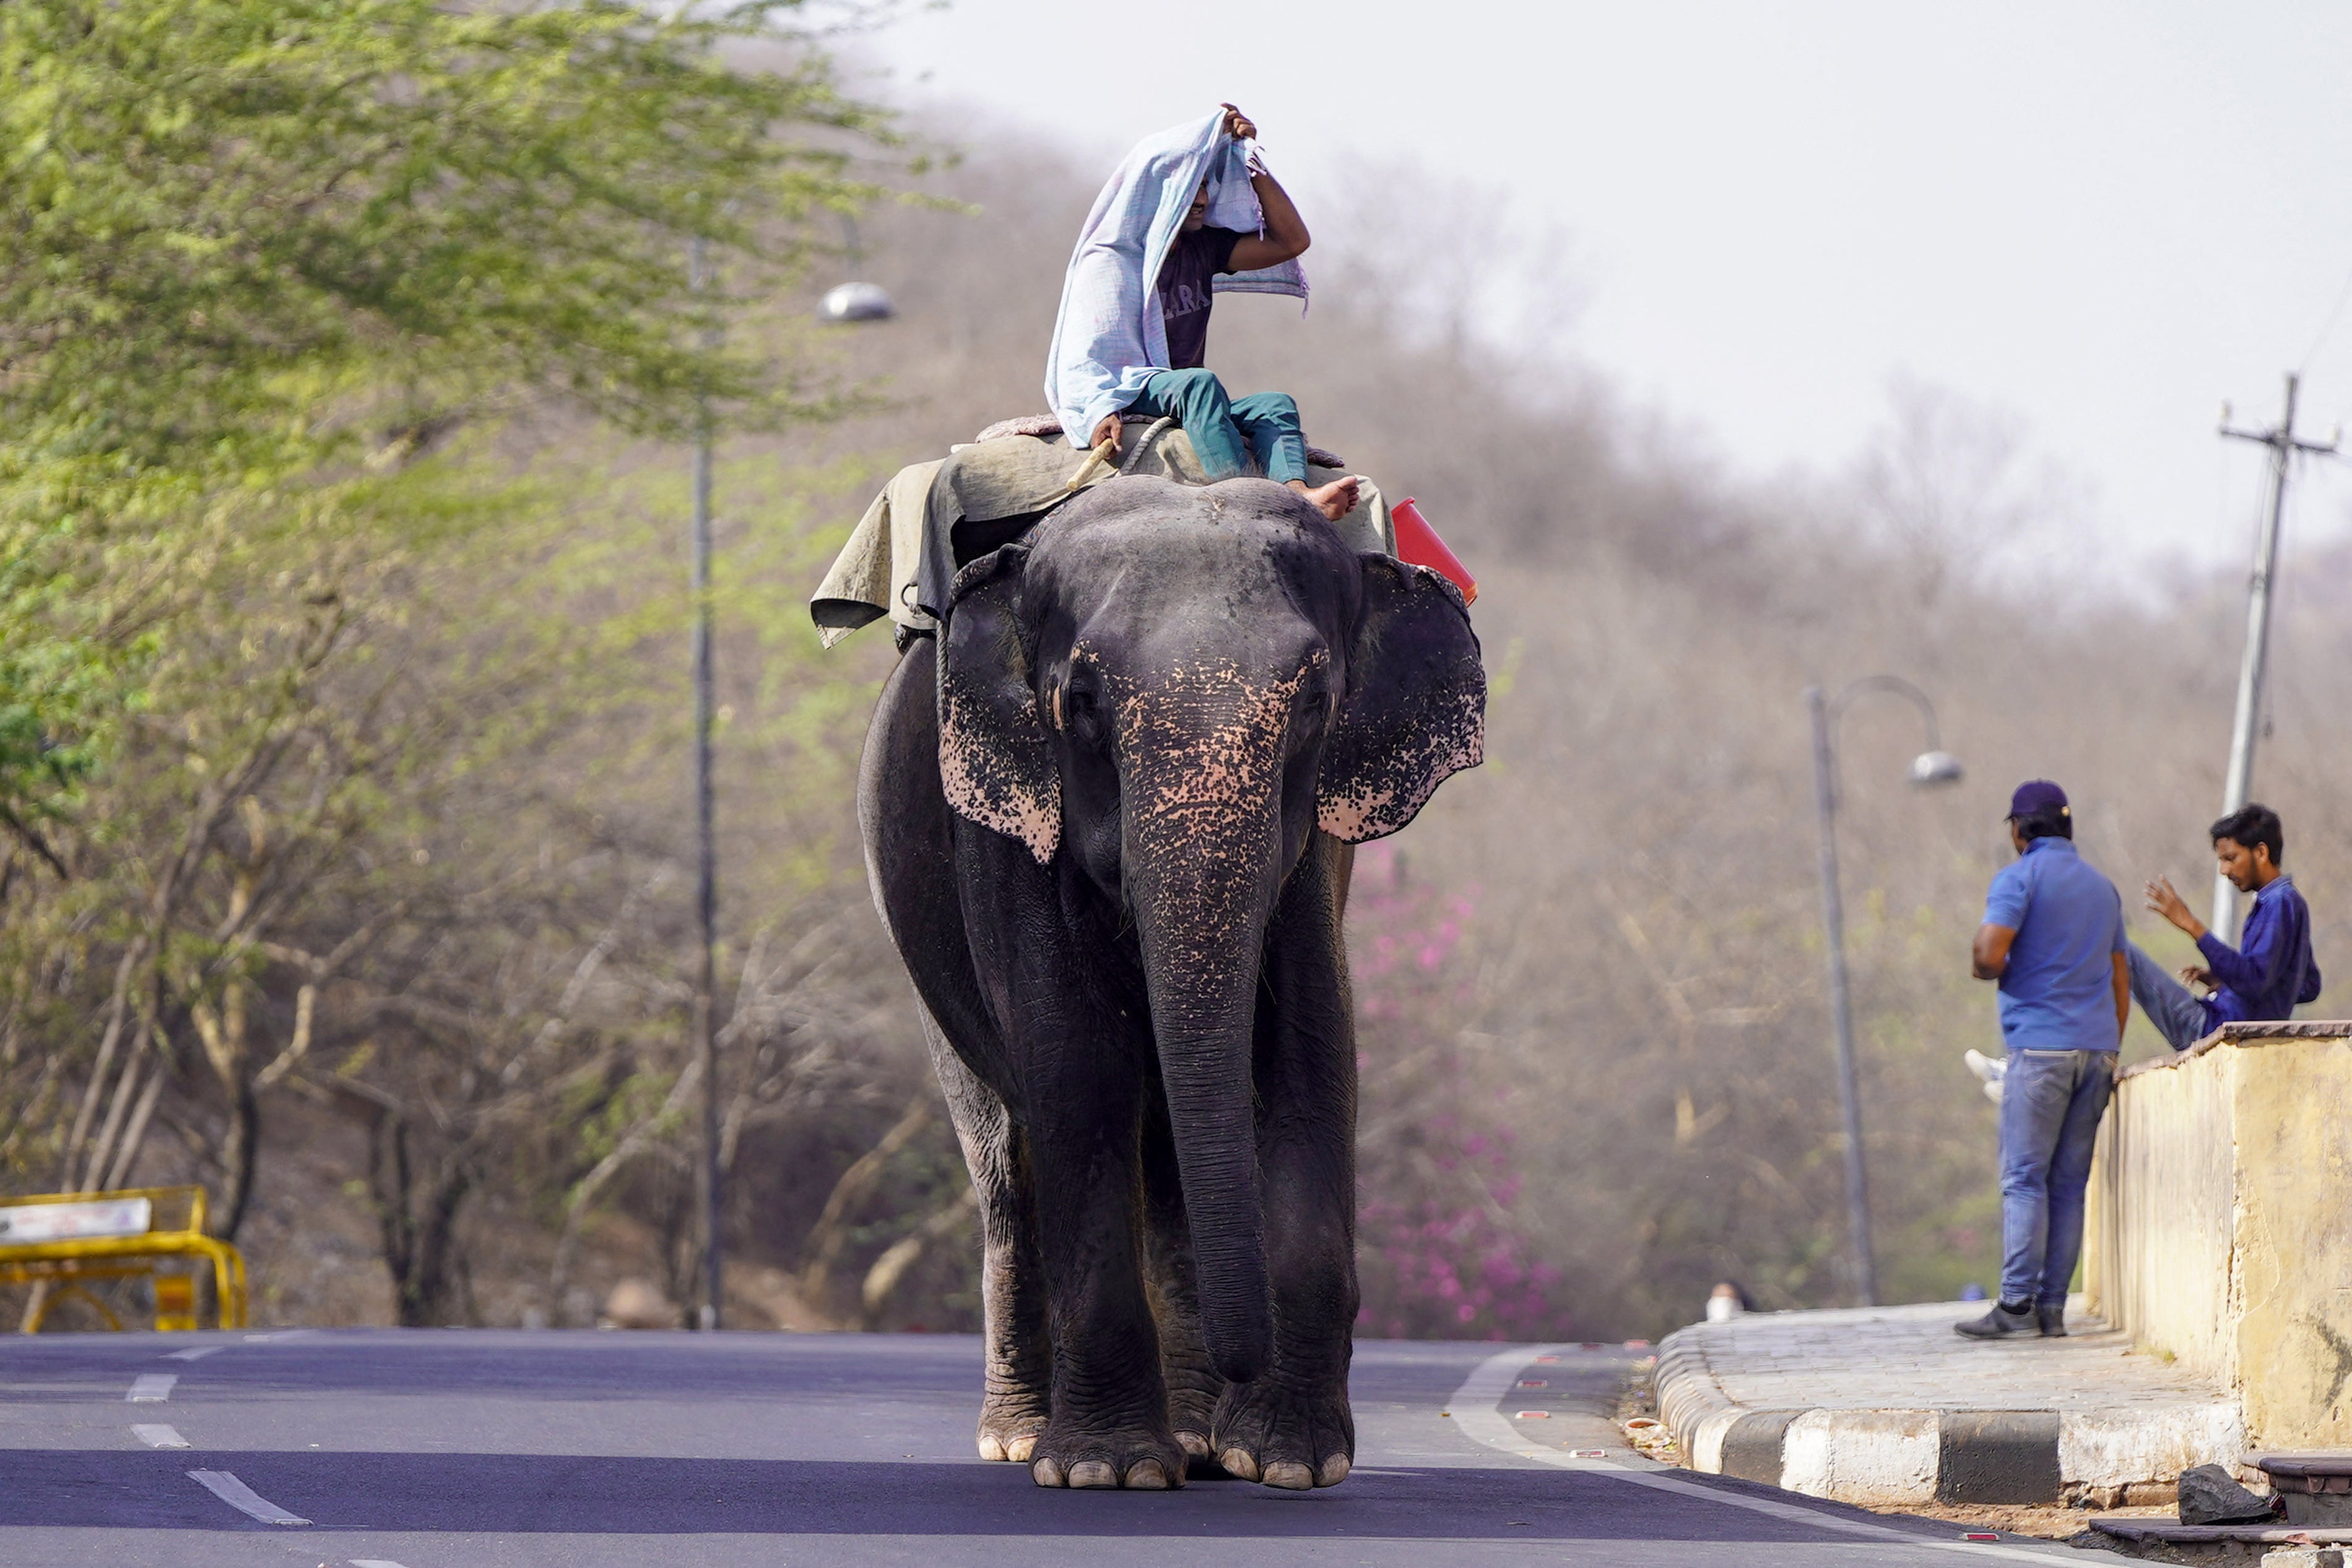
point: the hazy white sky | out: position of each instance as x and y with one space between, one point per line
2106 217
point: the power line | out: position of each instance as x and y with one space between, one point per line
2327 326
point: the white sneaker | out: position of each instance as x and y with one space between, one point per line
1991 1069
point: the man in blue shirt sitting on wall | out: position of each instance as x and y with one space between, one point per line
2267 974
2053 938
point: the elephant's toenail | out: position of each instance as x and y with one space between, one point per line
1046 1473
1195 1446
1238 1462
1289 1475
1146 1475
1093 1473
991 1446
1335 1470
1019 1449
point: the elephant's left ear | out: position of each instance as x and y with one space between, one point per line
995 758
1415 711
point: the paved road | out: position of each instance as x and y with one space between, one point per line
442 1448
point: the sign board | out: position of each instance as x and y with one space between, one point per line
27 1223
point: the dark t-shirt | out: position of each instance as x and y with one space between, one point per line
1184 297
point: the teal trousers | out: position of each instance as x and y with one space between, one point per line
1226 430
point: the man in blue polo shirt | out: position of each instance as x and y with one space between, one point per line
2053 938
2271 969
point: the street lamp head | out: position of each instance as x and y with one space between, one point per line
856 302
1930 768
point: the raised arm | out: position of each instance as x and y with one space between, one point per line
2253 969
1285 232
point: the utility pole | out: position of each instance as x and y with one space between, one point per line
2283 445
706 887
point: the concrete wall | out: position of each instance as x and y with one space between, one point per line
2220 1226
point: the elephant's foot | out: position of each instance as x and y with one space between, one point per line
1009 1426
1192 1410
1289 1437
1139 1457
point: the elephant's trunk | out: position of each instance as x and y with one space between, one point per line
1202 870
1201 954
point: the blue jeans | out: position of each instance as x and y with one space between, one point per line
2051 1103
2171 1006
1226 432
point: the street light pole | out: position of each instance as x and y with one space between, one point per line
1857 1178
706 887
1934 766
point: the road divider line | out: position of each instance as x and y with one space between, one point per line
243 1498
1477 1414
155 1434
373 1563
195 1352
150 1387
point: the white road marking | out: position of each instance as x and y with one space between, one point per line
150 1387
1474 1410
157 1435
195 1352
275 1334
373 1563
242 1498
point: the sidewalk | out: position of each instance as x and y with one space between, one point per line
1888 1406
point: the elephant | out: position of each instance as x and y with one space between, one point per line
1108 813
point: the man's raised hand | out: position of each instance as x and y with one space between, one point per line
1239 126
2162 900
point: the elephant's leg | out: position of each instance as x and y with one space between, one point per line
1109 1425
1020 1360
1076 1045
1193 1385
911 861
1292 1427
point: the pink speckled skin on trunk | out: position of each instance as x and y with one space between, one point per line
1107 817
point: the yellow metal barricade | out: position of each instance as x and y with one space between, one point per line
175 1229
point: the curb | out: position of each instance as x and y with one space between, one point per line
1884 1457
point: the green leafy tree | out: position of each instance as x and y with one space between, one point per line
258 246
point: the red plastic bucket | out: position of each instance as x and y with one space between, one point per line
1418 543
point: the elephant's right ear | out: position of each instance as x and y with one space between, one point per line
1415 712
995 759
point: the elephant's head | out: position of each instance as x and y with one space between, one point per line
1174 686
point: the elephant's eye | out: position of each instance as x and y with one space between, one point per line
1312 711
1082 713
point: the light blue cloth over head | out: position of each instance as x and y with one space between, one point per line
1108 338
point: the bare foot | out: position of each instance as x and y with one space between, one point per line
1334 500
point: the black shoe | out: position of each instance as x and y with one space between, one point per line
2053 1320
1998 1324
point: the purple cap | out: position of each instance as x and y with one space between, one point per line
2036 795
